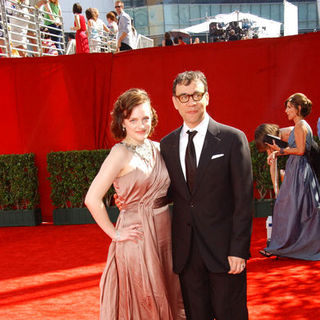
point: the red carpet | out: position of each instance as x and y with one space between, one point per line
53 272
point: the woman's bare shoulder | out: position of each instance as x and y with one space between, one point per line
285 133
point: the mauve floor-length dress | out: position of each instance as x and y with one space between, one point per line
138 282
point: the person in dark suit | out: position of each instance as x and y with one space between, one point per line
211 187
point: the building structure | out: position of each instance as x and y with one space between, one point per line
154 17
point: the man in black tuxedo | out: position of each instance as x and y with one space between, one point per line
211 186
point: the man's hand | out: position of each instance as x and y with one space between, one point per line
237 265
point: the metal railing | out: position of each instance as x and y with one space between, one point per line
25 31
105 42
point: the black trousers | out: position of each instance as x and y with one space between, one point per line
208 295
124 47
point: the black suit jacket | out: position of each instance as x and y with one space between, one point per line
218 214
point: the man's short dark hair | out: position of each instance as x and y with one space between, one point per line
187 77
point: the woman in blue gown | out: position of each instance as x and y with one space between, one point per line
296 215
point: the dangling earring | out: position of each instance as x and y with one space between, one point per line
123 129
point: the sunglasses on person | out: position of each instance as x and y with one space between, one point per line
117 7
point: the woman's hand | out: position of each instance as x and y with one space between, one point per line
271 157
273 146
128 233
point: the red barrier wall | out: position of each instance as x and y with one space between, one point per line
63 103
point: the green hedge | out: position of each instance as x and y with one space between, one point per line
71 174
18 182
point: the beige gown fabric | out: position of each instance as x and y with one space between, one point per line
138 282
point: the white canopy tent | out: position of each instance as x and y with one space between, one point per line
265 28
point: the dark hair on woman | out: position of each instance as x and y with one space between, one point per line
261 131
185 78
123 108
89 14
167 35
299 99
77 8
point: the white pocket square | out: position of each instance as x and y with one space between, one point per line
215 156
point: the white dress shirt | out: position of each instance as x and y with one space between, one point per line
125 26
198 141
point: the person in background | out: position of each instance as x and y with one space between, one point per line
181 42
93 32
196 40
103 30
319 127
296 214
53 22
232 36
138 281
71 46
112 22
167 41
273 129
36 4
19 21
124 37
82 44
48 46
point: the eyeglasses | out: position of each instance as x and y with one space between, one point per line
196 96
117 7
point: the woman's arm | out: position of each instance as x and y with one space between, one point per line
114 164
77 23
106 29
300 133
272 163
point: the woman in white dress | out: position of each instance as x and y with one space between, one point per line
93 32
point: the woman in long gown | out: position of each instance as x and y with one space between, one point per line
138 282
82 44
296 215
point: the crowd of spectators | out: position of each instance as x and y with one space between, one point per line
232 32
87 35
217 33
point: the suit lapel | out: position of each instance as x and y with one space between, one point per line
211 142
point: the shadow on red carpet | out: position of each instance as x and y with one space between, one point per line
52 272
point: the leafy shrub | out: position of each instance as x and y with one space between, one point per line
71 174
18 182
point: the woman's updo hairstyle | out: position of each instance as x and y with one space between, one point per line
123 107
299 99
